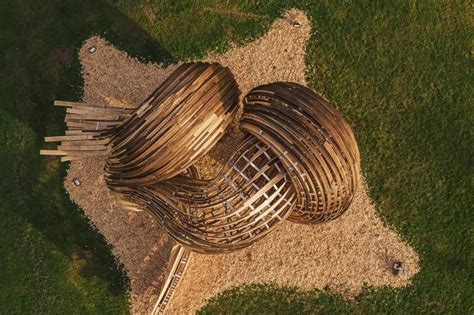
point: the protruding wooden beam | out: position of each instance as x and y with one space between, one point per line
68 138
53 152
66 103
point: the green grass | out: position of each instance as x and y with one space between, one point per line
399 70
40 229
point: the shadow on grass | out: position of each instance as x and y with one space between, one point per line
38 57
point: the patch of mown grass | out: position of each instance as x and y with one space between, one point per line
189 29
264 299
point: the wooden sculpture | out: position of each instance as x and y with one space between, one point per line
299 159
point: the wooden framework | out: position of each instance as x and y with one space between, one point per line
299 159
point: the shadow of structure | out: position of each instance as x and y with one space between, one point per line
39 41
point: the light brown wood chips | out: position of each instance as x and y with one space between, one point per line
343 255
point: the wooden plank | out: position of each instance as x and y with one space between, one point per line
53 152
69 138
300 160
82 147
66 103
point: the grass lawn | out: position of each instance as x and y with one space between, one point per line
401 72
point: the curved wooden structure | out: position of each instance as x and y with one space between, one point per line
299 160
314 143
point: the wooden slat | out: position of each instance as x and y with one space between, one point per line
68 138
66 103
